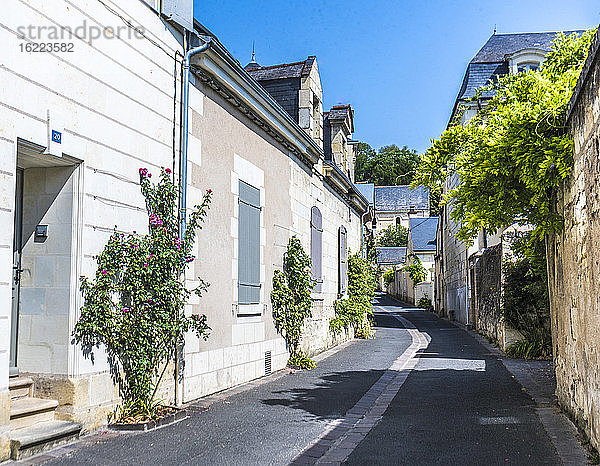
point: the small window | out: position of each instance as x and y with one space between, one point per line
342 262
397 221
249 245
527 66
316 248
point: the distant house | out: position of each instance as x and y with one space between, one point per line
395 205
421 245
422 242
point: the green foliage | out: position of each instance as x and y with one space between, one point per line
526 305
425 303
291 299
416 271
371 252
390 166
301 361
356 311
530 349
510 159
394 236
389 276
134 306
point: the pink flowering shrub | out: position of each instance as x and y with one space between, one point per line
134 306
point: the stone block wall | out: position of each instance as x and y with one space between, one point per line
486 294
574 262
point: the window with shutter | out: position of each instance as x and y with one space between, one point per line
343 262
316 247
249 245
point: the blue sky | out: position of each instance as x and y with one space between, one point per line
400 64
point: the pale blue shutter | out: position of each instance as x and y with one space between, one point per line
343 262
249 245
316 247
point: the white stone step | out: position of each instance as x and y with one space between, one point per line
20 387
25 412
43 436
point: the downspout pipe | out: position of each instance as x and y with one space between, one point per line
185 123
183 171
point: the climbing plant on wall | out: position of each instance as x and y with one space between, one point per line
134 305
291 300
511 158
356 310
416 271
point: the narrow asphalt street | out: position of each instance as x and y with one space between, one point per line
422 392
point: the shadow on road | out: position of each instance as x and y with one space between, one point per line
320 401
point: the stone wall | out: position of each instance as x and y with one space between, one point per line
574 262
486 294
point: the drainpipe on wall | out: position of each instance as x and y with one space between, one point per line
184 143
183 172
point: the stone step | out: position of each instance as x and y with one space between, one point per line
25 412
20 387
43 436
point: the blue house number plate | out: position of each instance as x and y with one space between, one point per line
56 136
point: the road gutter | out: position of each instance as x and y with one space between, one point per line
558 426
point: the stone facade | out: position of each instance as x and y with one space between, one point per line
486 293
574 262
113 101
451 293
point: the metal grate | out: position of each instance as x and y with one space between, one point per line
267 362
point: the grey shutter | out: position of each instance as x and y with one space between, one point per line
249 245
343 262
316 247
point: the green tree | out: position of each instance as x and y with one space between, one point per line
394 236
390 166
511 158
134 306
362 165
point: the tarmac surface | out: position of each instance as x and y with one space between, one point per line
450 400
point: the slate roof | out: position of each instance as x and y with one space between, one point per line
491 60
389 256
400 198
282 71
423 233
367 190
500 45
479 75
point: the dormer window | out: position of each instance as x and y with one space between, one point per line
527 66
525 60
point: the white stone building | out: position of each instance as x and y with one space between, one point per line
76 123
396 205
